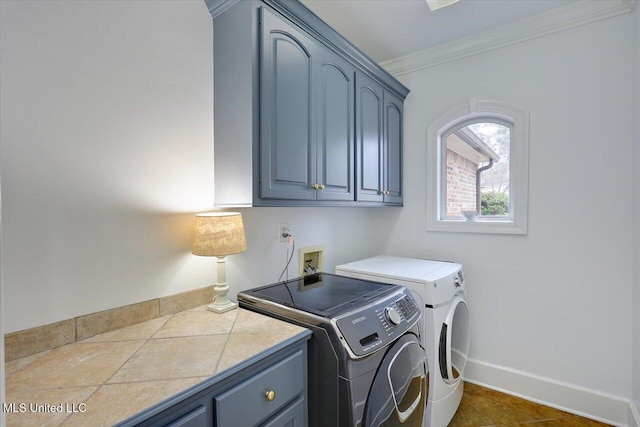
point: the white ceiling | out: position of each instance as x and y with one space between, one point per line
388 29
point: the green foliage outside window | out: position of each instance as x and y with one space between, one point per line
494 203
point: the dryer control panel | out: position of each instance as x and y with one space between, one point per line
373 327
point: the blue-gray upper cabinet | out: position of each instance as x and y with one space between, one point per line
306 138
286 107
335 129
379 143
369 110
392 149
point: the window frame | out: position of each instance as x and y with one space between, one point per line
477 111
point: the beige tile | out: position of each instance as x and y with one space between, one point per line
185 300
142 331
75 365
116 402
35 340
67 399
252 334
200 308
197 322
249 322
242 346
15 365
110 320
173 358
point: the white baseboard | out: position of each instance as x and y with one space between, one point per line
634 415
587 403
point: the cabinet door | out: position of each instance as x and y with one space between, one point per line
369 139
392 153
287 137
292 416
335 147
247 404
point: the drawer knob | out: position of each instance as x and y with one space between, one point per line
270 395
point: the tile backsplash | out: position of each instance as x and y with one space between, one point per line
41 338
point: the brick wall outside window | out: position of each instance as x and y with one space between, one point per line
461 184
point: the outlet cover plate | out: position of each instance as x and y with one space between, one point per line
283 228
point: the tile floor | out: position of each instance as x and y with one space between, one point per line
484 407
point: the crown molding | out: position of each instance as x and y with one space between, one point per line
572 15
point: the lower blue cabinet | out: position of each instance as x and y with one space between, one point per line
195 418
267 391
294 415
262 396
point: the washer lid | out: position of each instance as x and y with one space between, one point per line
323 294
399 268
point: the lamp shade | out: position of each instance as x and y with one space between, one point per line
219 234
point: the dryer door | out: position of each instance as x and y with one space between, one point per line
398 393
454 341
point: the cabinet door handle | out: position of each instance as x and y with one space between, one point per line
270 395
315 186
322 186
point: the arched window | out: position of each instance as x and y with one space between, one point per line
478 180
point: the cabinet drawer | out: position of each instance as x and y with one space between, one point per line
247 403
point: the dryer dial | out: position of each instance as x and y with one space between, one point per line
392 316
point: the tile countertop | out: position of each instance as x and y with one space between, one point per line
118 374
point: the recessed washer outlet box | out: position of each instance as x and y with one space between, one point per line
311 260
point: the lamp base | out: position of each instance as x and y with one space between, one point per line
221 301
221 308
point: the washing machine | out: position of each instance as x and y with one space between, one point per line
439 288
366 363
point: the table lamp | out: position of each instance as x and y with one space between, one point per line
219 234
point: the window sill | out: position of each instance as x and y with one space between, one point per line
489 226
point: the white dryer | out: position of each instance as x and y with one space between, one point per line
438 287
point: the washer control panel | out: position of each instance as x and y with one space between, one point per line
370 328
392 315
407 306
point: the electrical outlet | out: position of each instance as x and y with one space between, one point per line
283 231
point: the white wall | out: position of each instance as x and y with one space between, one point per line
636 220
346 234
107 130
2 386
554 303
105 147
